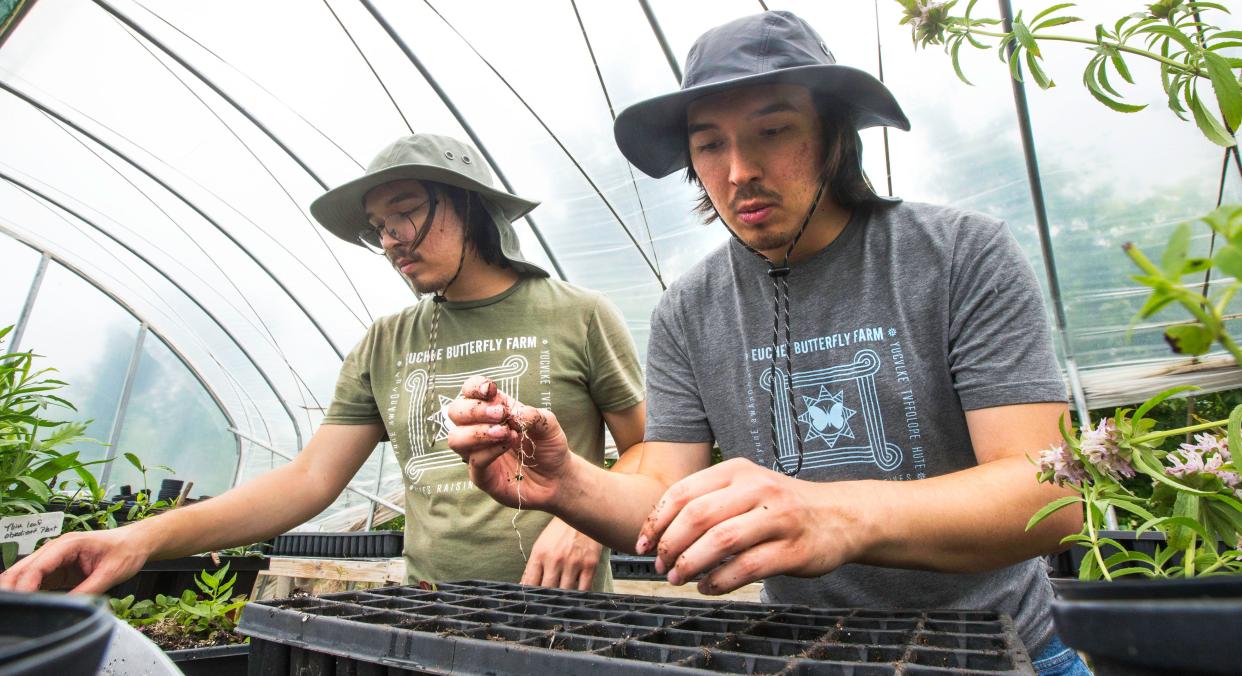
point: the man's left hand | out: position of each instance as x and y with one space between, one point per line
562 557
768 523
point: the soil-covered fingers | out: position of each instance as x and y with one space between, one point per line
708 529
751 565
676 498
466 412
479 387
479 445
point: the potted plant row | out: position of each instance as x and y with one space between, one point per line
195 628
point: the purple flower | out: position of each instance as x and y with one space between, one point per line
1207 444
1186 461
1058 464
1207 455
1101 448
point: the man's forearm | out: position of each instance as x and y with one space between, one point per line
966 521
252 512
608 506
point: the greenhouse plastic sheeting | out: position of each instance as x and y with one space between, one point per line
159 158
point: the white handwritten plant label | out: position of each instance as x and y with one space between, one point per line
28 529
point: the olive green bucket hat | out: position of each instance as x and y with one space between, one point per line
427 157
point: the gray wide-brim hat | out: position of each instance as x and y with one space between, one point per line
427 157
770 48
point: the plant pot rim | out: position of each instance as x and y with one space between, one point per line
1141 588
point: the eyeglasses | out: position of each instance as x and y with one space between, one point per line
400 227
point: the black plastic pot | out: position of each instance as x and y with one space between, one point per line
1154 626
477 627
173 576
1066 563
378 544
224 660
52 634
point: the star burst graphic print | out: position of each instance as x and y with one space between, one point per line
827 417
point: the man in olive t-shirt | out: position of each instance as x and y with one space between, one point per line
574 357
427 204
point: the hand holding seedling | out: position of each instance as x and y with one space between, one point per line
739 522
517 453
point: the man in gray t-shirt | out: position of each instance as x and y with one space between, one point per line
874 372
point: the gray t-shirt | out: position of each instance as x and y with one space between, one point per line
912 316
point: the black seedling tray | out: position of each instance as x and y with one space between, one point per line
475 627
379 544
627 567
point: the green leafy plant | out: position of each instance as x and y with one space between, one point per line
140 613
29 460
256 550
1195 71
143 506
215 610
1194 496
87 507
1165 280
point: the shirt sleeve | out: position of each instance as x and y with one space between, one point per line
616 378
354 400
1000 345
674 408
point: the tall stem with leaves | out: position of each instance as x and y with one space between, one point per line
1199 80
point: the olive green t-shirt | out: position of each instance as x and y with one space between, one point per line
544 342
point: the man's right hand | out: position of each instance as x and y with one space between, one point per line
81 562
518 454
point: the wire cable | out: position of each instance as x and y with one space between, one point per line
232 132
252 81
265 329
314 322
370 67
613 113
556 139
465 125
250 150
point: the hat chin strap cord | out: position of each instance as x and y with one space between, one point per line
438 299
779 273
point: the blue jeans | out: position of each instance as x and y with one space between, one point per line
1058 659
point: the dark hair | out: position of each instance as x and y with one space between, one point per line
847 184
481 232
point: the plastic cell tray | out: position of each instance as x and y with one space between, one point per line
628 567
475 627
381 544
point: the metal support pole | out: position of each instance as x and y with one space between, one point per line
198 210
133 25
24 318
366 494
1045 236
118 421
659 36
297 431
116 298
379 479
1045 241
465 126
